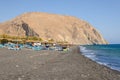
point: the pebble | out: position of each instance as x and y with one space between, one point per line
17 65
19 78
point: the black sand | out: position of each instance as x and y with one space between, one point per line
51 65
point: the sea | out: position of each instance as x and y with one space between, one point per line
108 55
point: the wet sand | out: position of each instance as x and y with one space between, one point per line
27 64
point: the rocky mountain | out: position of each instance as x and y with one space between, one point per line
52 26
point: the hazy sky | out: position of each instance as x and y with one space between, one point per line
104 15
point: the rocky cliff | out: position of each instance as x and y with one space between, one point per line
52 26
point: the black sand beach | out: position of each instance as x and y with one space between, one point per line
51 65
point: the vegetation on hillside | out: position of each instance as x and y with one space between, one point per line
4 38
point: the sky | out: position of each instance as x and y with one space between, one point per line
104 15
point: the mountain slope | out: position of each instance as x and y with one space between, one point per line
52 26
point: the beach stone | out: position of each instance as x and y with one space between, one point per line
19 78
17 65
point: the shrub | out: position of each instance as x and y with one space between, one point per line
3 41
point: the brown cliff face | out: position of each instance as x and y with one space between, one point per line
51 26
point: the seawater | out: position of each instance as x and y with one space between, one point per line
108 55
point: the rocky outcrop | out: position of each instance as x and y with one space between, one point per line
17 29
28 30
52 26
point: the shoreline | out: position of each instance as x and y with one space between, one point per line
98 62
52 65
